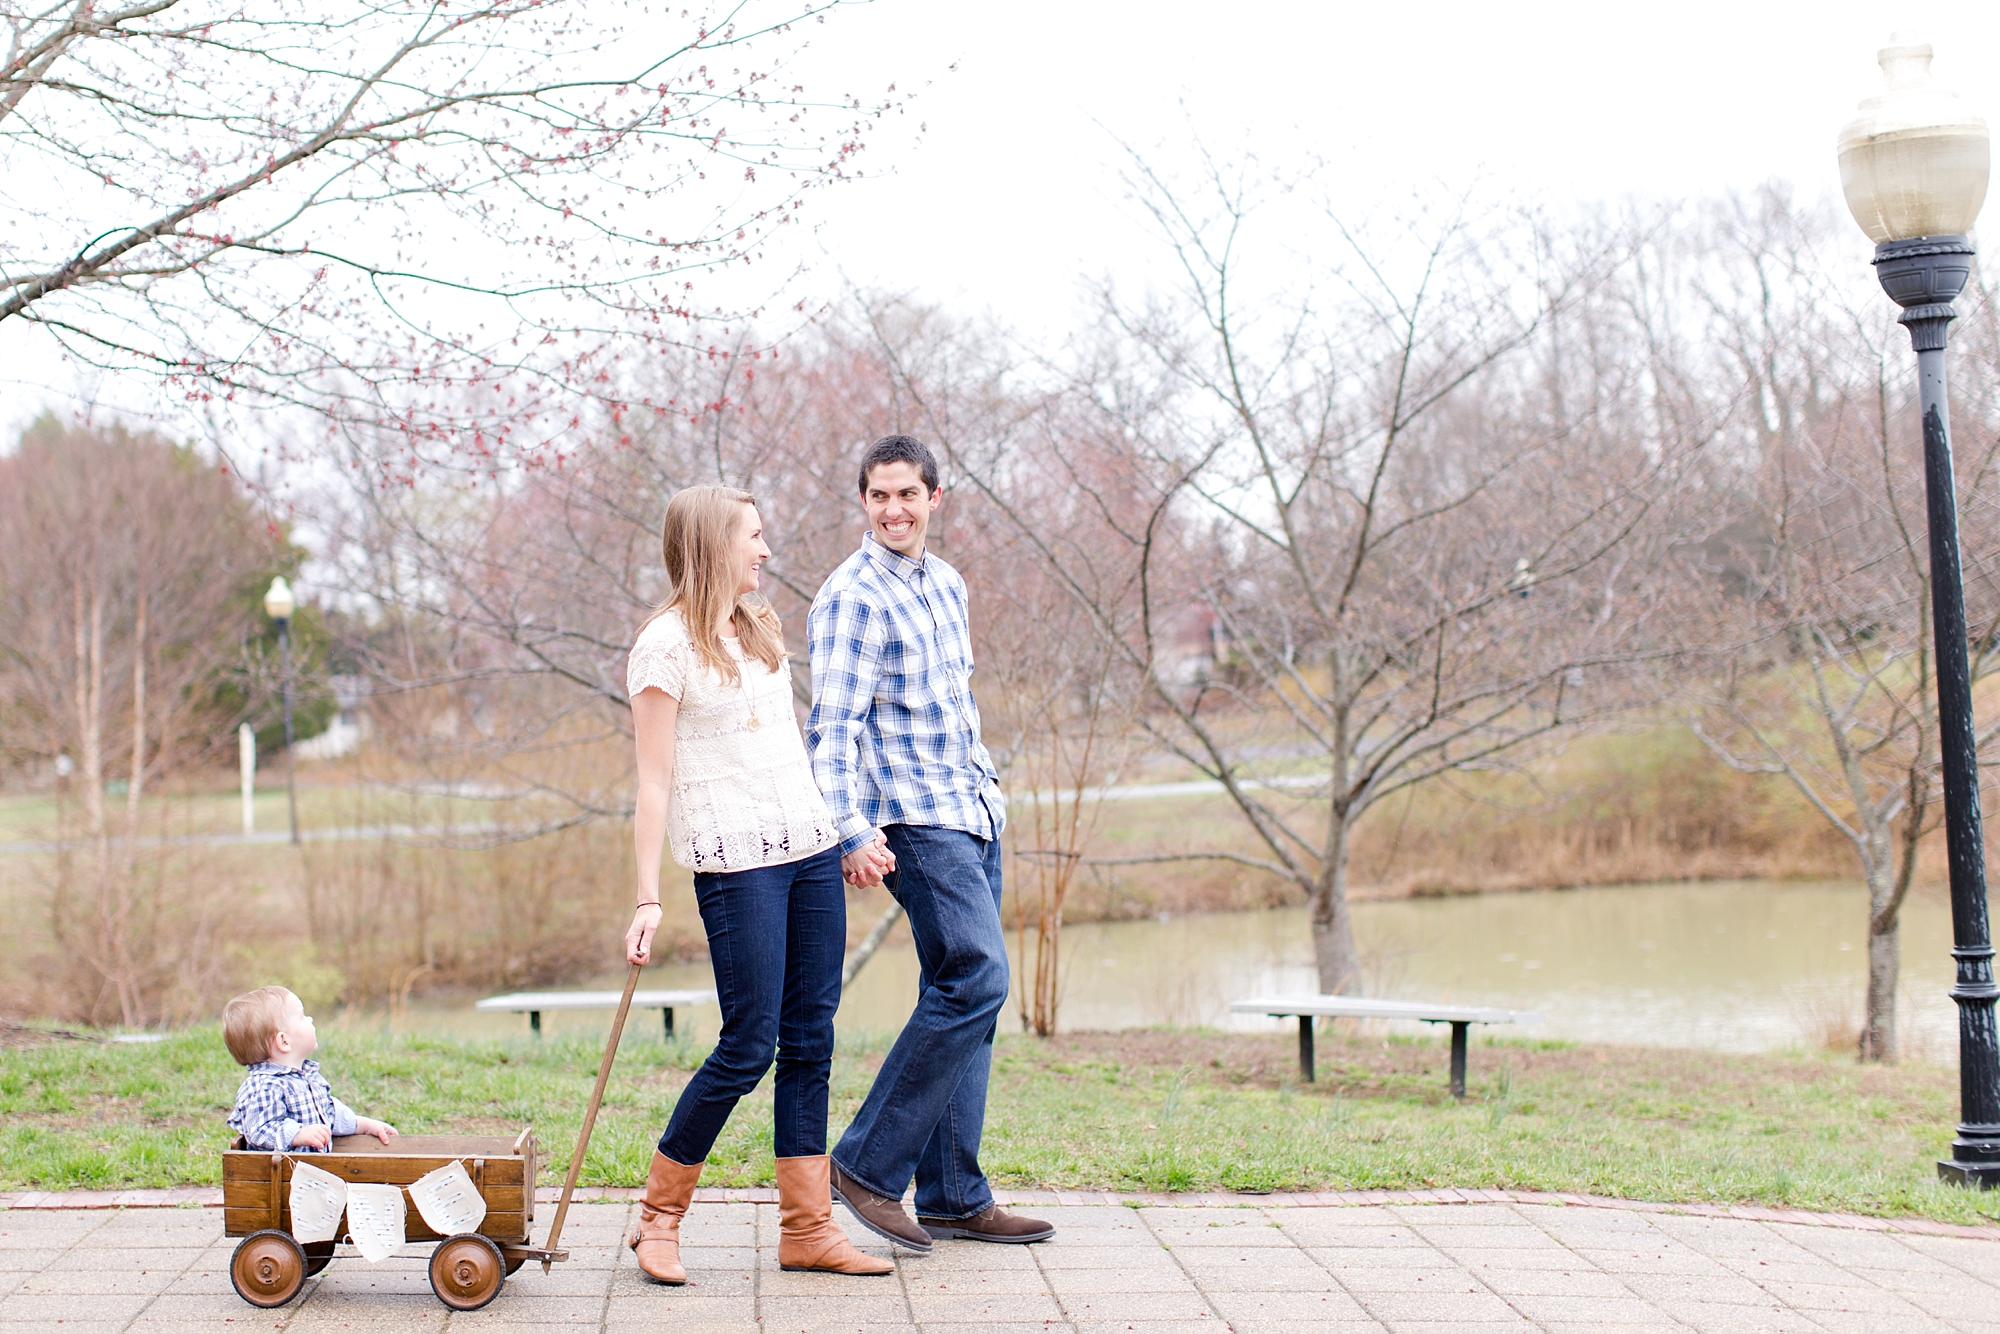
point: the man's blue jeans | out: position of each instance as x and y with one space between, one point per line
924 1114
777 936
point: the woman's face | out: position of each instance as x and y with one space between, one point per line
750 551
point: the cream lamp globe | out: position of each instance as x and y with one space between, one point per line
1914 161
279 604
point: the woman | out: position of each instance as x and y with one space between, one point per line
723 775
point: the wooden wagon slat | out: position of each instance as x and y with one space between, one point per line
499 1201
385 1169
502 1191
500 1225
509 1228
437 1147
258 1168
441 1146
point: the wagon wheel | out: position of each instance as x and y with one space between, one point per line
467 1271
515 1262
319 1254
268 1268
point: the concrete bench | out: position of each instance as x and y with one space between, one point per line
534 1002
1307 1008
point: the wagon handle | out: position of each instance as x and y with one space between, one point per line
590 1116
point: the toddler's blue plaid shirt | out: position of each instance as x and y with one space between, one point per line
894 731
276 1100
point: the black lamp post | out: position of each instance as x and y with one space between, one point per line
1914 165
279 604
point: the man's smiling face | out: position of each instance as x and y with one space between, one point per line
899 509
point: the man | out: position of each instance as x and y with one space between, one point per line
894 735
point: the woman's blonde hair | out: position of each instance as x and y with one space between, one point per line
698 544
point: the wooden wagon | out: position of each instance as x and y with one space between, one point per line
467 1270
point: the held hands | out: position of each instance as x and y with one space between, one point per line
381 1130
869 865
639 937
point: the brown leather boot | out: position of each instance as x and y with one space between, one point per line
657 1239
807 1238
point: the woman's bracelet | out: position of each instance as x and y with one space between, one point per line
652 904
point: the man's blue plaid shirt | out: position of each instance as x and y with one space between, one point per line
277 1100
894 732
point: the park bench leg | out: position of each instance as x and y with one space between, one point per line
535 1021
1306 1048
1458 1059
668 1010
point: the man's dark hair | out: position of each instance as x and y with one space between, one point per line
901 449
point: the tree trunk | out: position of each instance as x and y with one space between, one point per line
89 700
1878 1025
1888 886
138 724
1048 942
1878 1030
1332 923
1021 951
109 950
124 894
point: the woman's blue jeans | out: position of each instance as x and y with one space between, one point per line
777 936
924 1115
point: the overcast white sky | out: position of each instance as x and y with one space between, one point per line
1010 200
1011 196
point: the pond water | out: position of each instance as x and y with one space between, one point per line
1732 965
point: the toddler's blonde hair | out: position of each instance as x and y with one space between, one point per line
250 1023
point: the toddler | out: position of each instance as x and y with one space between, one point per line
284 1103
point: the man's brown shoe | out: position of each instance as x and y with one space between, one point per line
996 1224
880 1215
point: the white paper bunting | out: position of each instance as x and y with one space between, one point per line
375 1219
448 1200
317 1200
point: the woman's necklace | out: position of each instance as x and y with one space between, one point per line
735 642
743 683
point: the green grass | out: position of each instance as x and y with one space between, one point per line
1131 1111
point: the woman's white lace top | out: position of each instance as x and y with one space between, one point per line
743 790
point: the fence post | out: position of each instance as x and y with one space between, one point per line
246 754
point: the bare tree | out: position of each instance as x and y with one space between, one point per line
498 617
128 570
1411 571
1058 721
1819 664
408 215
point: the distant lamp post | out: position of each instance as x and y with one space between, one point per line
1913 165
279 604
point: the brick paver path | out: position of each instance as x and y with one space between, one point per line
1159 1267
